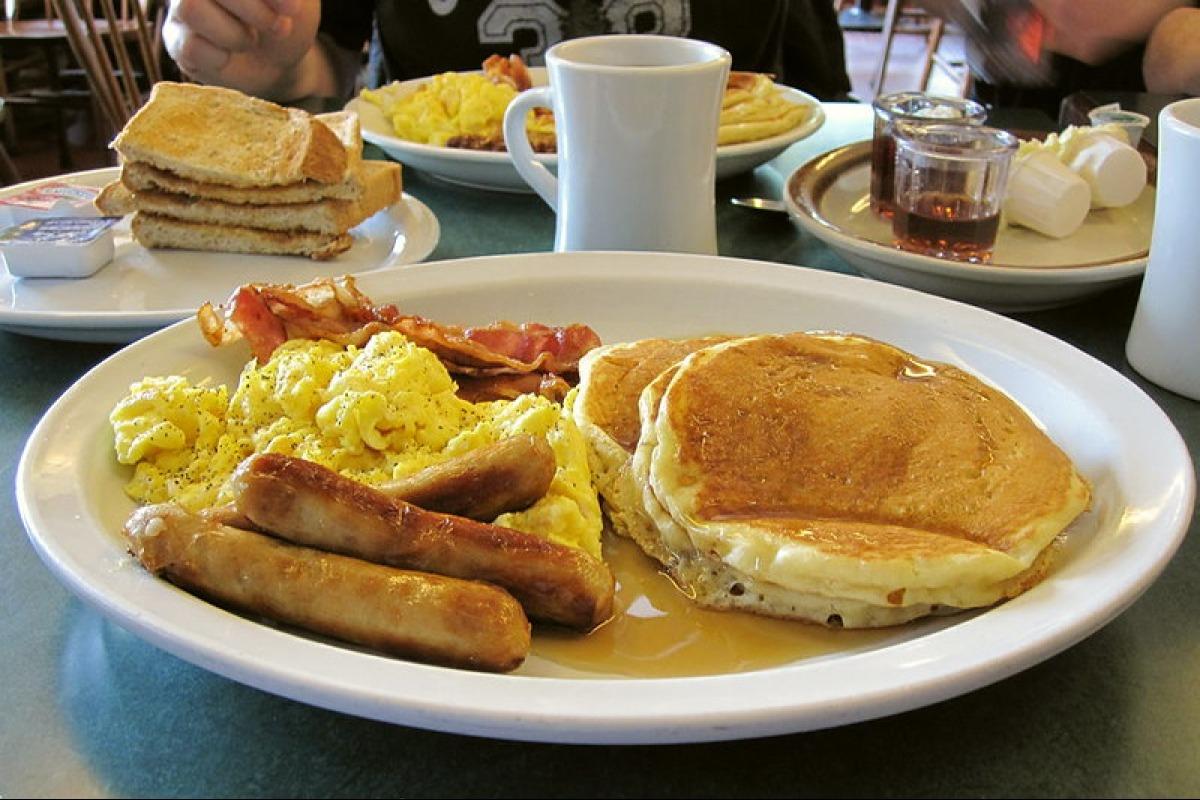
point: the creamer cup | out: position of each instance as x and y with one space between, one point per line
1133 123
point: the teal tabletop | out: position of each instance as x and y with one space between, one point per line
91 710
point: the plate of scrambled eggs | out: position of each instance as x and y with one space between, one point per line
74 494
412 121
376 414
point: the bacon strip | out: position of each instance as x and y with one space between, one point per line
267 315
481 388
511 70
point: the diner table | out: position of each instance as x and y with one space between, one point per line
88 709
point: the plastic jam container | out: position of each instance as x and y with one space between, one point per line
50 199
58 247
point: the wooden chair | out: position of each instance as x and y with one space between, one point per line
958 70
9 174
75 62
31 71
101 46
934 27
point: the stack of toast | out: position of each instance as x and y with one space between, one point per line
207 168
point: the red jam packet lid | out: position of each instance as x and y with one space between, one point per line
44 196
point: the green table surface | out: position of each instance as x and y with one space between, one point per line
87 709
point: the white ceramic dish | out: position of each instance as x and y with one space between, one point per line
69 492
142 290
494 170
827 197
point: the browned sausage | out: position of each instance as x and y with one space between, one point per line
312 505
510 475
412 614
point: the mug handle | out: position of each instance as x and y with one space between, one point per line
517 141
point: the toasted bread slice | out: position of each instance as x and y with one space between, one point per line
142 177
217 135
115 200
381 180
346 127
139 177
155 231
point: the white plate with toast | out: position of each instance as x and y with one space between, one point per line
494 170
69 492
142 290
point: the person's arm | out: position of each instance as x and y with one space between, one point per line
1172 63
267 48
1093 31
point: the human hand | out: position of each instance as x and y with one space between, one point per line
1092 31
255 46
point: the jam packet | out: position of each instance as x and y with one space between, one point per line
58 247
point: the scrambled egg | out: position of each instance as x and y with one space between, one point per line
375 414
453 105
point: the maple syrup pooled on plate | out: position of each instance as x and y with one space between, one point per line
657 632
946 226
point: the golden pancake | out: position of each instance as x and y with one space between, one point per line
848 476
611 379
711 582
754 108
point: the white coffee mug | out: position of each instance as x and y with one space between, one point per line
636 119
1164 340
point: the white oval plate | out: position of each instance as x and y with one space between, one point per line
142 290
828 197
494 170
69 493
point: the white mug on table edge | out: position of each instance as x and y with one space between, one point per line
1164 339
636 120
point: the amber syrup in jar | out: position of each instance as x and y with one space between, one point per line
883 174
947 226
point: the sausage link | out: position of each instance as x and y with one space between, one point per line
509 475
416 615
311 505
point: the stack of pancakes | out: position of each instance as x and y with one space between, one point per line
824 477
207 168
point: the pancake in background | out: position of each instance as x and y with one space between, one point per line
838 479
611 379
754 108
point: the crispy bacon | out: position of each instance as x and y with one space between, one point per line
502 348
479 388
511 70
540 142
267 315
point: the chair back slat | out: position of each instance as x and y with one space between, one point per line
113 79
146 43
86 55
108 72
116 36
